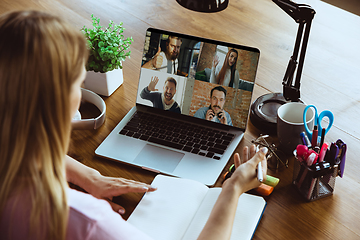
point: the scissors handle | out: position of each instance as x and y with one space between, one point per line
330 116
307 130
317 120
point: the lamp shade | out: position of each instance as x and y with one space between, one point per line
204 5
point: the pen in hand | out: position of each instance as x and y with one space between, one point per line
259 170
260 173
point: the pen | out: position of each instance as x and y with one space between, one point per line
259 173
302 136
333 153
301 176
322 137
271 181
314 138
312 185
305 139
342 150
259 170
323 151
312 157
264 190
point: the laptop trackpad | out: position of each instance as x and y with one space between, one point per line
158 158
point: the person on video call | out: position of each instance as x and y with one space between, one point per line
215 112
226 74
162 100
166 61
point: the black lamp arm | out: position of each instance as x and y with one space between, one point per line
302 14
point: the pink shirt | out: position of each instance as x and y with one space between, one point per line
89 218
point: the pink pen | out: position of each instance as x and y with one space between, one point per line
323 150
312 157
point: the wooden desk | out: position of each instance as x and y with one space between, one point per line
330 81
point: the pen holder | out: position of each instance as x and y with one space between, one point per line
314 182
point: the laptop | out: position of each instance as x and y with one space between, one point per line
192 107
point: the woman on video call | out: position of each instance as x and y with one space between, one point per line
42 67
226 74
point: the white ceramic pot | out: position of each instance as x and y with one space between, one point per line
104 83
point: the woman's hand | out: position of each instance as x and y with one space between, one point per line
221 219
246 166
101 186
104 187
216 61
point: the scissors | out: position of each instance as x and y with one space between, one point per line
317 121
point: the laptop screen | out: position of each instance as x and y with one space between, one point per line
197 77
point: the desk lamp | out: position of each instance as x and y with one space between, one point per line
264 109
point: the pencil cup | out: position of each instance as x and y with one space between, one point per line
314 182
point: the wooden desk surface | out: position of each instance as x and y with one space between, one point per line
330 81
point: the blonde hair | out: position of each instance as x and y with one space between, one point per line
40 58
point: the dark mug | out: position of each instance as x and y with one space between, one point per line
290 124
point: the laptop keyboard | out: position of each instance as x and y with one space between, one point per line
179 135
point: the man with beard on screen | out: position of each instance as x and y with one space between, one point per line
166 61
162 100
215 112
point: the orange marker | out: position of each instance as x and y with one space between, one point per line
264 190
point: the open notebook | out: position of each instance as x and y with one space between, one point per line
179 209
188 120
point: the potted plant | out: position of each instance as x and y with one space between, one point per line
108 49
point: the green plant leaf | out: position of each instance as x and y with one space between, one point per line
108 46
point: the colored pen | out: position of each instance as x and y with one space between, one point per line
306 139
322 137
260 173
264 190
301 176
312 185
332 154
342 150
314 138
302 135
323 151
271 181
312 157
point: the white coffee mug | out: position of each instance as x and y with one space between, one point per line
290 124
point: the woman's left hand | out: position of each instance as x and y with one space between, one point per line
108 187
100 186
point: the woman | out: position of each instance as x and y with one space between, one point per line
41 65
41 70
226 75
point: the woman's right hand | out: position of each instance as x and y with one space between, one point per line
221 219
216 61
245 174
